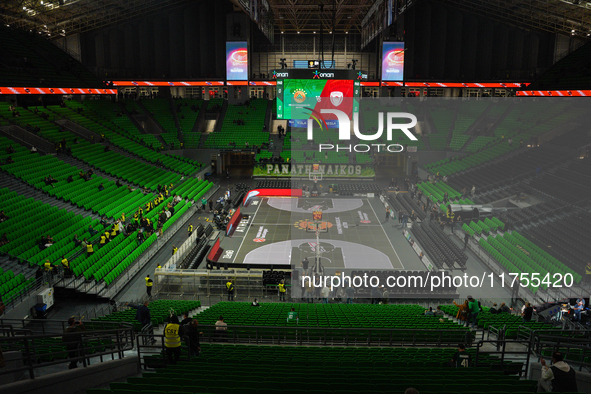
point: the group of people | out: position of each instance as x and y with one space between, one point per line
468 311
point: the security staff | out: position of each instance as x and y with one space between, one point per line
149 284
103 240
174 249
47 266
122 217
282 290
89 249
190 229
65 263
172 340
114 231
230 289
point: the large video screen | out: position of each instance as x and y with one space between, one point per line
299 98
392 61
236 61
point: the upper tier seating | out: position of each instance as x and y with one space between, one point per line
33 168
524 122
160 109
251 131
90 119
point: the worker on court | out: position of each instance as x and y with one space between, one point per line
149 284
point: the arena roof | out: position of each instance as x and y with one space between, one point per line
571 17
292 16
64 17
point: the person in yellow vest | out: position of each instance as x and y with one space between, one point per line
116 227
89 249
103 240
190 229
174 249
65 265
282 291
166 192
114 231
47 266
172 340
122 217
149 283
107 236
230 289
588 273
158 266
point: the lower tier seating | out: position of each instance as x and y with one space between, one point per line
333 370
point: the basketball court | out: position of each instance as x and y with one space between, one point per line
282 231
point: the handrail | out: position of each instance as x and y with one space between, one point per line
353 336
502 351
80 346
562 344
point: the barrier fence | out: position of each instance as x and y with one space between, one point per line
40 351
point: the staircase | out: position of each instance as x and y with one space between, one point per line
221 116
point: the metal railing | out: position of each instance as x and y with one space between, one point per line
503 352
303 335
574 350
39 351
50 326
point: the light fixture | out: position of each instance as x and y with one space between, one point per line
282 32
298 32
314 32
346 32
41 2
24 8
330 32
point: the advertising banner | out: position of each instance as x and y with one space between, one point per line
236 61
392 61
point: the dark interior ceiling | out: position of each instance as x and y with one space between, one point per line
305 16
64 17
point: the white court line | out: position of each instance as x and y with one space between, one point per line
246 232
390 242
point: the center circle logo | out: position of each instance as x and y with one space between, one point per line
259 240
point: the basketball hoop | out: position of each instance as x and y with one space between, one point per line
315 174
